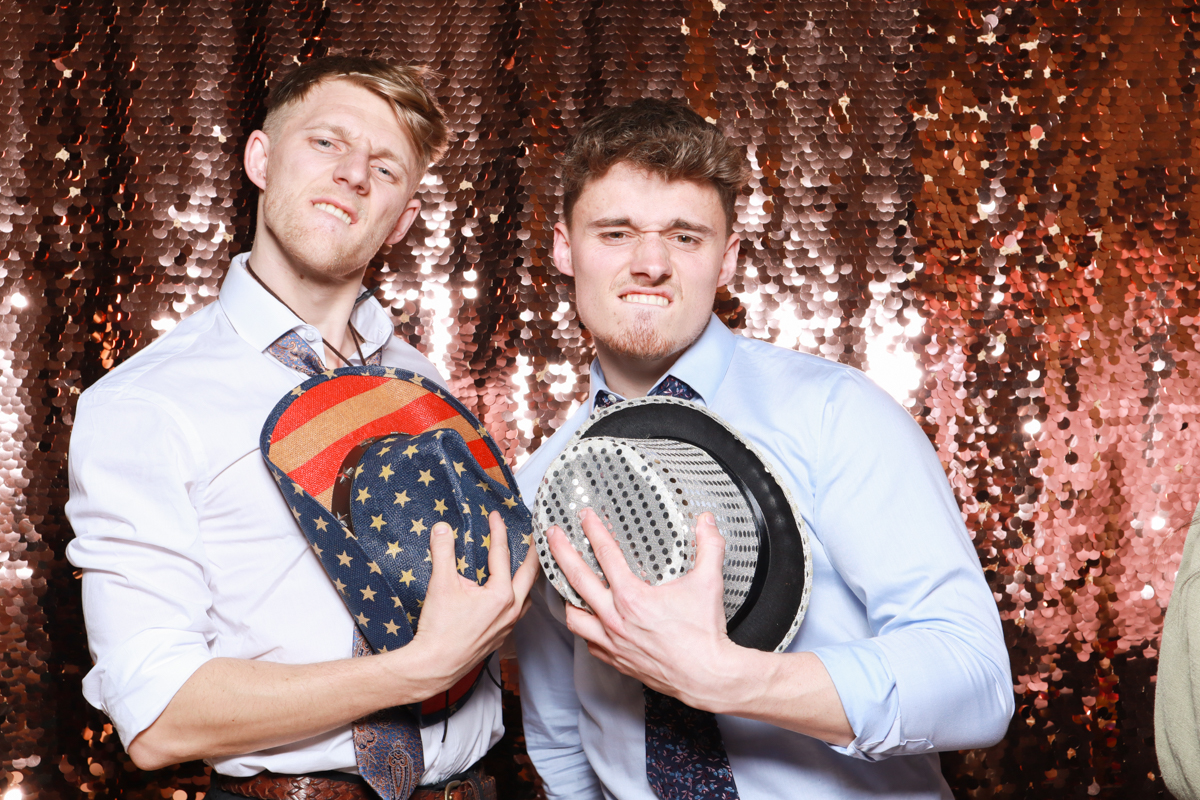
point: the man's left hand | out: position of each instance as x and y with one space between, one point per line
671 637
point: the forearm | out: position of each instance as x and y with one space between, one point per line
788 690
672 638
232 706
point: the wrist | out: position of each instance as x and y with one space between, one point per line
733 679
413 673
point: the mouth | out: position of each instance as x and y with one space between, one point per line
335 211
646 299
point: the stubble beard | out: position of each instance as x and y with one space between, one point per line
643 341
319 256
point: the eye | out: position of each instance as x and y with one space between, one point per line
324 144
614 235
686 238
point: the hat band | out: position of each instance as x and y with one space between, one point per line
764 541
339 504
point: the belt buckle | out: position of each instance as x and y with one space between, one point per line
452 785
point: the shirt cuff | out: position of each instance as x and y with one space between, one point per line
136 681
572 777
867 688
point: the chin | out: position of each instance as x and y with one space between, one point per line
644 343
320 253
322 259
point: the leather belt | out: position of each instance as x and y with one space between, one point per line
470 785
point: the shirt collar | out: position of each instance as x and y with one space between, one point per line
260 319
702 366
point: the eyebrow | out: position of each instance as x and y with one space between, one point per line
677 224
680 224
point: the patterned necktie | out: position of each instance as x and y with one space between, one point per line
685 755
387 744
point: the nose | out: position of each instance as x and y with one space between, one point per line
651 258
353 170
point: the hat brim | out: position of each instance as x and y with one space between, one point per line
313 428
778 597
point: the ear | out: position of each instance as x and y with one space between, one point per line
562 249
729 259
407 217
258 149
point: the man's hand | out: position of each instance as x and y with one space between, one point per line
670 637
230 706
461 621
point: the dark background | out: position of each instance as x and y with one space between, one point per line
986 206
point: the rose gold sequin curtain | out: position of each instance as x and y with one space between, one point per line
986 206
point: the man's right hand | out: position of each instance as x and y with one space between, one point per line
462 622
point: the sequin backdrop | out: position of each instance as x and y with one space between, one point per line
987 206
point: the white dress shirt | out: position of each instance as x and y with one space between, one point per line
900 614
188 549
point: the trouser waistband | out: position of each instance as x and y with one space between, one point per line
470 785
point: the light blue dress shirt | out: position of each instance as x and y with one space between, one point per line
900 613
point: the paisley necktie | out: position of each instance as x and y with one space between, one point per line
387 744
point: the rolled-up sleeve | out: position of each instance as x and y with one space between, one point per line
135 466
935 675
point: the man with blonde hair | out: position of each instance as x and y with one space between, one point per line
644 694
215 630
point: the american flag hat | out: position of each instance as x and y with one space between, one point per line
369 459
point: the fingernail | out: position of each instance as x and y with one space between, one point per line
441 528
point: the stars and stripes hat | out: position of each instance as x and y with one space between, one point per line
369 459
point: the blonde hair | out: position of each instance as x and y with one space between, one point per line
663 137
403 86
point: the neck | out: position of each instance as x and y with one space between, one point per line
324 302
632 377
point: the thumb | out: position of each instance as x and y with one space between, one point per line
710 546
441 551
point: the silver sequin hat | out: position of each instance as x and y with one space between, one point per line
649 468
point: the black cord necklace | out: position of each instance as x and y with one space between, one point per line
355 336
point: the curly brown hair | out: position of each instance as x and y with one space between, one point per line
664 137
403 86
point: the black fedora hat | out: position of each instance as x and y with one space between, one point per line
649 467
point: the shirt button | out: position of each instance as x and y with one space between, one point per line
310 335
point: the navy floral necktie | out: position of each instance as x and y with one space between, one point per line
685 755
387 744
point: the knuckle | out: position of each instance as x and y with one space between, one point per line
573 572
606 549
